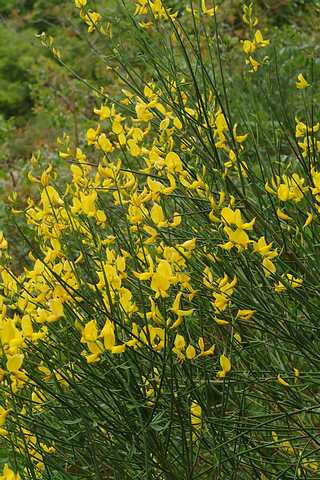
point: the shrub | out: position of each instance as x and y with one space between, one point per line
165 322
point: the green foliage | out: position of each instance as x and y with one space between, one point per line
18 59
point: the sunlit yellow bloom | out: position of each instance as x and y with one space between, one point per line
107 333
104 112
281 381
179 347
268 267
263 248
259 40
92 135
248 47
245 314
195 414
254 64
210 12
191 352
180 313
203 351
173 163
80 3
3 242
302 83
282 215
225 366
92 19
294 282
162 279
3 415
237 237
90 332
8 474
308 220
14 362
104 143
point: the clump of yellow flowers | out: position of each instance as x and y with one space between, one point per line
159 310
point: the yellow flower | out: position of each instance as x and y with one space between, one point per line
107 333
196 412
179 346
258 38
294 282
263 248
8 474
225 366
302 83
248 47
90 332
268 267
282 215
104 112
190 352
3 242
253 64
92 19
308 220
180 313
245 314
210 12
162 278
14 362
238 237
80 3
104 143
157 216
203 352
281 381
3 415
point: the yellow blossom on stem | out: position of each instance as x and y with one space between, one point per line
238 237
196 420
281 381
3 242
309 219
104 112
245 314
259 40
210 12
14 362
179 347
162 279
253 64
180 313
92 19
302 83
203 352
191 352
107 333
8 474
3 415
90 332
225 366
80 3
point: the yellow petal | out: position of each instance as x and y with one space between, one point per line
282 215
225 363
14 362
190 352
302 82
281 381
308 220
